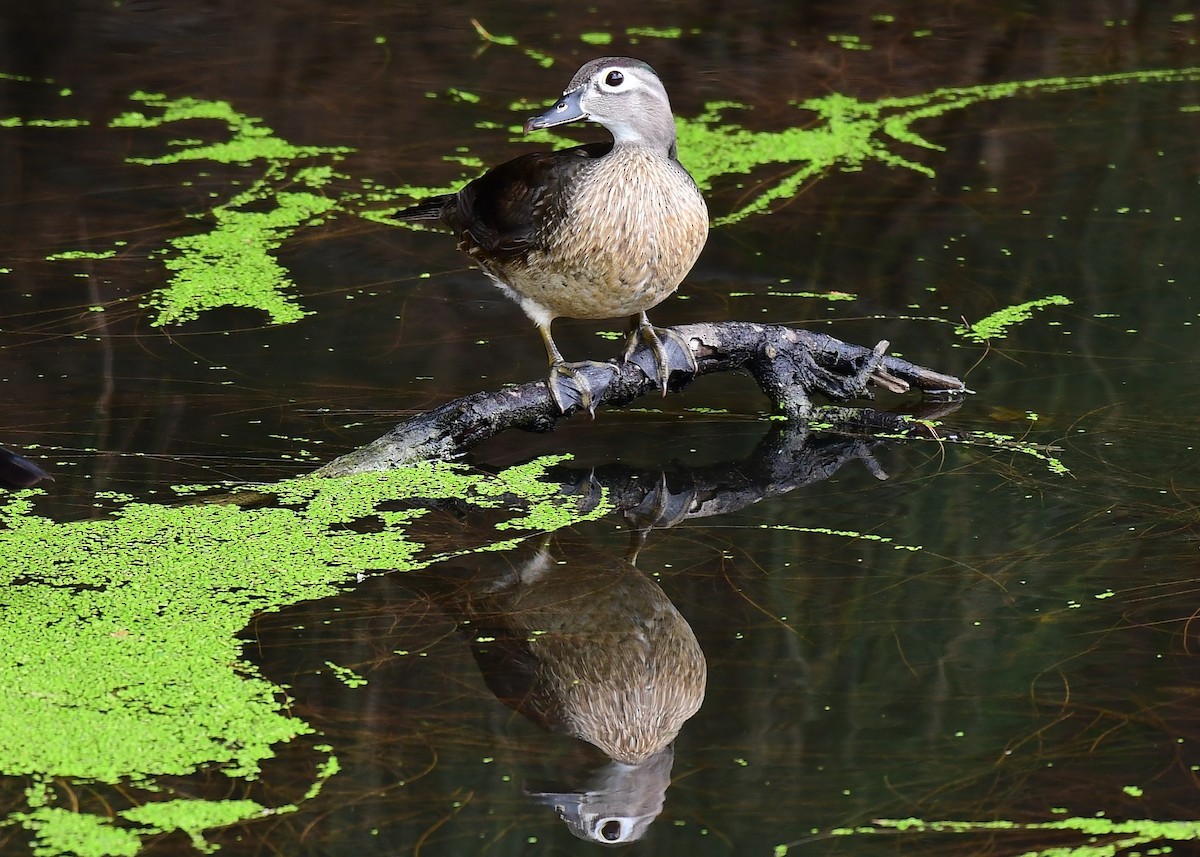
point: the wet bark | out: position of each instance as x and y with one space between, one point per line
790 365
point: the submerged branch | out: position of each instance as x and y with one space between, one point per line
790 365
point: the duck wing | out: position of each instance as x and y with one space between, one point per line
502 213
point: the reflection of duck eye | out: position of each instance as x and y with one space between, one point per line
611 830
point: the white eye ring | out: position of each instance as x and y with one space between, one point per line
613 80
612 830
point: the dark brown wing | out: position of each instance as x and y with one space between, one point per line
500 213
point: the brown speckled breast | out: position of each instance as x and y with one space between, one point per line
620 239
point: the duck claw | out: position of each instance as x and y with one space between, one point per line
580 385
659 351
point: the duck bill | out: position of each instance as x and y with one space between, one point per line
566 109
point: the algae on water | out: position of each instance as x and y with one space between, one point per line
996 325
232 259
120 635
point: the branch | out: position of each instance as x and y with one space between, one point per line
789 364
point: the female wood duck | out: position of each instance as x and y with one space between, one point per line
596 231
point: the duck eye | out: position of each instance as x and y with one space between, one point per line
614 79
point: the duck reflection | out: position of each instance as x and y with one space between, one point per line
617 803
592 647
596 651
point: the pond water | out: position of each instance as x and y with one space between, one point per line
978 640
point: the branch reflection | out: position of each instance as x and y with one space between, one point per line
589 646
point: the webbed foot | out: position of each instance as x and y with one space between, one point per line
579 385
665 352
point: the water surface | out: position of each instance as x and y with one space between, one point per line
977 637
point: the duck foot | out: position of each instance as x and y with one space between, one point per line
659 351
580 385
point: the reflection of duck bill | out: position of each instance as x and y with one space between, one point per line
619 803
598 653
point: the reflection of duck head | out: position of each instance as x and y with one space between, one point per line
600 653
618 803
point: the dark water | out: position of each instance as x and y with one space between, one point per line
1033 660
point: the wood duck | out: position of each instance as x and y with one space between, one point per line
595 231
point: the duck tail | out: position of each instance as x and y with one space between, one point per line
429 209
